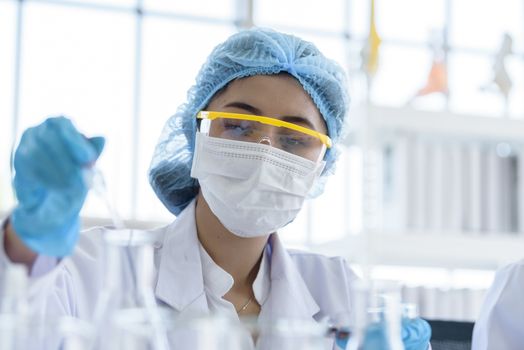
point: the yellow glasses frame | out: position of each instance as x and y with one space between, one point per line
266 120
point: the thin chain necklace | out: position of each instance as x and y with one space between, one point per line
245 305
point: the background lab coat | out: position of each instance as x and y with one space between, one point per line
501 321
303 285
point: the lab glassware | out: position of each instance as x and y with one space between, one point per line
14 309
76 334
128 285
289 333
377 316
209 332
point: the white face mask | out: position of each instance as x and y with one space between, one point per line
253 189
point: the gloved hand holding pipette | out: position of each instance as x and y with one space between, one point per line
49 164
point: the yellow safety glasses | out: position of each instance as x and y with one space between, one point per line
292 138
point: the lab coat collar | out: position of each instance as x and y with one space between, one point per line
262 283
216 280
180 282
181 285
289 296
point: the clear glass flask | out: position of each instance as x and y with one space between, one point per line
76 334
288 334
14 309
127 293
209 332
377 322
126 305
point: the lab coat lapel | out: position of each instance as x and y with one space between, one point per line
180 282
289 296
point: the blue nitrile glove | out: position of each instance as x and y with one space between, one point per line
342 337
416 333
49 183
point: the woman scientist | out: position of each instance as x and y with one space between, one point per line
255 138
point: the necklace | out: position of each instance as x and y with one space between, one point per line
245 305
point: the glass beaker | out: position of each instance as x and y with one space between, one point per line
288 334
133 329
128 284
14 308
76 334
377 316
209 332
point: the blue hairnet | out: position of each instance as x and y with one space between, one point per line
247 53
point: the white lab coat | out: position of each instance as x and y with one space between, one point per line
500 325
303 285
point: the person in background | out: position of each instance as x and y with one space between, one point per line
499 325
256 137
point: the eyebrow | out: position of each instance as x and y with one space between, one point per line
288 118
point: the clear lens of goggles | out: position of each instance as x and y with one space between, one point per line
292 141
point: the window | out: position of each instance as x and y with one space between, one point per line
123 77
8 15
221 10
84 72
171 60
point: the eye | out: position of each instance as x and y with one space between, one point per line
240 127
229 124
295 141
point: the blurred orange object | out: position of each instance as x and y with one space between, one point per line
437 79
